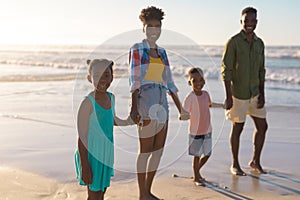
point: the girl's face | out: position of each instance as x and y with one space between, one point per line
101 78
153 30
197 82
249 22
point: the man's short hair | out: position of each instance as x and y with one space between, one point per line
249 10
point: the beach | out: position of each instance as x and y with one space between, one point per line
38 139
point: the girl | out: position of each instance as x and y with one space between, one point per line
94 157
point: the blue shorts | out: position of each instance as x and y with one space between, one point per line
200 145
152 102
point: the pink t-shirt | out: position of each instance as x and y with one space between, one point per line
198 107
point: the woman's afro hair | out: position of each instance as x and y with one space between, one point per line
151 13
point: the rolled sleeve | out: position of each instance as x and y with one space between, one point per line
228 61
262 70
134 63
167 76
170 82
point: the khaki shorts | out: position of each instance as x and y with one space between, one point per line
241 108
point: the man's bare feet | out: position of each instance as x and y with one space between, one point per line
201 178
153 197
256 167
237 171
199 182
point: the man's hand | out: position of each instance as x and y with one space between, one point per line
261 101
228 103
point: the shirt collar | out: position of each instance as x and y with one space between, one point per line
243 34
147 46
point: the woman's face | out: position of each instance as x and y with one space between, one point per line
153 30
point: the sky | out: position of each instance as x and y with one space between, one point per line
207 22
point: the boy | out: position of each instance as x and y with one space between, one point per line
197 103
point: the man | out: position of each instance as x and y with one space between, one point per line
243 72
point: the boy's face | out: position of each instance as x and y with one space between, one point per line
197 82
249 22
101 78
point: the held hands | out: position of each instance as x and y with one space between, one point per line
134 115
228 103
184 115
129 121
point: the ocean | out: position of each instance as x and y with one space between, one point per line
21 63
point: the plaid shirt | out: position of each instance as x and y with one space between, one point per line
139 63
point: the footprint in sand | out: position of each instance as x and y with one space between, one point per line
61 195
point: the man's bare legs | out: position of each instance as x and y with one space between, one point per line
236 131
258 140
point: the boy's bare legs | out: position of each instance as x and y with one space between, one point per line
258 140
98 195
196 168
197 165
236 131
203 160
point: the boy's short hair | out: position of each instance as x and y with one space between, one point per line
102 62
249 10
195 70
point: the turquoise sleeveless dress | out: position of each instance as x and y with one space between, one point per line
100 146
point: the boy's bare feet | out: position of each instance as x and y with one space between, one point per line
237 171
256 167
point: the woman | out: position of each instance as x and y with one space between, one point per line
150 80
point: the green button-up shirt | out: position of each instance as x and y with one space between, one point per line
243 64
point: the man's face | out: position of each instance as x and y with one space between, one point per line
249 22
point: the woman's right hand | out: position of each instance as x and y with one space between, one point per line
134 115
87 175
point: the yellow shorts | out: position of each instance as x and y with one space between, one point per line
241 108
